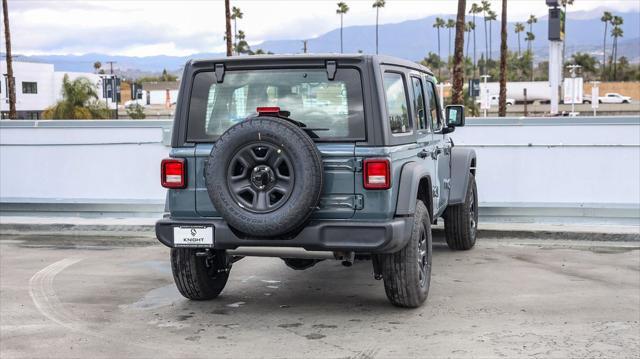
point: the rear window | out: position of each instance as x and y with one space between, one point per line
335 107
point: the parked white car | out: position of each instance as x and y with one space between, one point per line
610 97
493 101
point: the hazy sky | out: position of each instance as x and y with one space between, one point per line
182 27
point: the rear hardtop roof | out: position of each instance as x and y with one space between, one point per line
262 59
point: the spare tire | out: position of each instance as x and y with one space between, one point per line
264 176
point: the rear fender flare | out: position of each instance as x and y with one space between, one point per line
408 188
463 162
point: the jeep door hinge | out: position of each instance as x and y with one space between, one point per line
447 183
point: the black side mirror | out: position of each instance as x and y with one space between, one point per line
454 115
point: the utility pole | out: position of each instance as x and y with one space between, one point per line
11 82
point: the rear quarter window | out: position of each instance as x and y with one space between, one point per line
397 103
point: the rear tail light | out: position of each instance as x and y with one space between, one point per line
274 110
173 173
377 174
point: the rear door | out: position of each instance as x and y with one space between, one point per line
333 107
442 146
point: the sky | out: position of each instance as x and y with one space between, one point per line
183 27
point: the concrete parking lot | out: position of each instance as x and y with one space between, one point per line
114 297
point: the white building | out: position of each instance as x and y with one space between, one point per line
38 86
161 93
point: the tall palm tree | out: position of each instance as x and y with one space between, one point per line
502 101
529 39
469 27
11 81
616 32
606 18
451 23
343 8
564 4
227 15
519 27
457 91
491 17
236 14
377 4
475 9
439 24
485 7
532 20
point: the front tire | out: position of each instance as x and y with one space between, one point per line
407 273
197 277
461 220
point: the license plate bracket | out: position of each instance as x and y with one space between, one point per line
193 236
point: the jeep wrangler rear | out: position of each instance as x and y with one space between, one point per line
308 158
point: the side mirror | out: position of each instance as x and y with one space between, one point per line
454 115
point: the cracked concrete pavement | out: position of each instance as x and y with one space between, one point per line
114 297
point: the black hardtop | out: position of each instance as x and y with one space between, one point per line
293 59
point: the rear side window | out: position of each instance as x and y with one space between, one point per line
397 108
334 108
433 115
418 95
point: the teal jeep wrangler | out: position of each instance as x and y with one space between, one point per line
314 157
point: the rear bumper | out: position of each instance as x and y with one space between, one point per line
321 235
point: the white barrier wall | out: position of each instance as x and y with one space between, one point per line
82 162
583 163
564 162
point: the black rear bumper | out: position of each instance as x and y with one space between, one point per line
321 235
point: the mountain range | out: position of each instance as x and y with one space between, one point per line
411 39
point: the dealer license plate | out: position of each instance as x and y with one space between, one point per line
193 236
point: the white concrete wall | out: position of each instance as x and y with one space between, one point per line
584 163
159 97
588 165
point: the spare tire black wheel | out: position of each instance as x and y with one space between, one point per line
264 176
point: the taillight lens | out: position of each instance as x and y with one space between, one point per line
377 174
173 173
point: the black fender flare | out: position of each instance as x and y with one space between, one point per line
411 174
463 162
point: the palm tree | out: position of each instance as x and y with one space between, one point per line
457 91
450 25
529 39
236 14
606 18
502 101
491 17
564 4
227 15
11 81
475 9
470 26
532 20
79 101
616 32
519 27
377 4
485 7
439 24
343 8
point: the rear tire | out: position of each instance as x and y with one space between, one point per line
461 220
407 273
197 277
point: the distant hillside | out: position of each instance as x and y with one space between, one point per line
411 39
